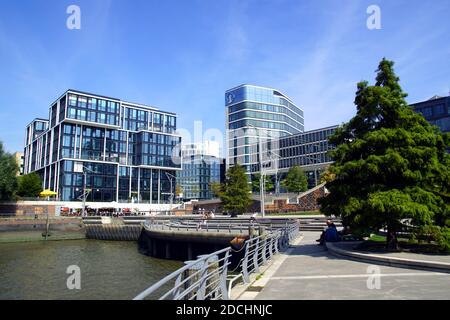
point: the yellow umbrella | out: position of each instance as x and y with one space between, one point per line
48 193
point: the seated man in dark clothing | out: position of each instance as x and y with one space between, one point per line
329 234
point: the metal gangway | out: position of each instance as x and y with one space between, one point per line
209 277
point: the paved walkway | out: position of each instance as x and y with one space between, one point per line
310 272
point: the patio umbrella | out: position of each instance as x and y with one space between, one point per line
48 193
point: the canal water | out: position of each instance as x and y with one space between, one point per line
109 269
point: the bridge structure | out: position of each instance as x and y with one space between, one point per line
211 276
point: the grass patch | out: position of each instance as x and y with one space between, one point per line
377 244
377 238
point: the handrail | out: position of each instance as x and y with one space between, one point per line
206 277
188 287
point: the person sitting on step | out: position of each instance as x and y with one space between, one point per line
330 233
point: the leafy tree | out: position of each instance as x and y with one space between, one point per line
295 180
390 163
235 195
268 183
178 190
30 185
8 178
327 176
216 188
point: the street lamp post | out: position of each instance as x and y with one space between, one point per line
315 162
84 191
261 178
170 177
275 157
261 173
85 169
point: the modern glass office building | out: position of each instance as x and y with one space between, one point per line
199 171
254 113
308 149
128 151
201 166
436 110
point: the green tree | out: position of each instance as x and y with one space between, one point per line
30 185
295 180
390 163
268 183
178 190
216 188
8 172
235 195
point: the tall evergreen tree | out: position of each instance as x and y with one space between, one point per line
235 195
390 163
8 172
295 180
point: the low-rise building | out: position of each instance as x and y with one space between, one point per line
19 159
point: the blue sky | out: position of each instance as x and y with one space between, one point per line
182 55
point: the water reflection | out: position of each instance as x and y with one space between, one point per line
109 270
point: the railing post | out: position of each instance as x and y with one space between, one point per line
255 256
176 293
271 246
223 277
277 240
245 274
264 248
203 277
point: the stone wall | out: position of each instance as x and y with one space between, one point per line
26 209
28 224
306 202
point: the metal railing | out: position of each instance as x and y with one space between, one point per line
258 251
196 225
206 278
202 279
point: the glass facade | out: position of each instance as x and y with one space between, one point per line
125 149
254 113
436 111
199 171
308 150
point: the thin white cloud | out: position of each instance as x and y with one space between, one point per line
325 97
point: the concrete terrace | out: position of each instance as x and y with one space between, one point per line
309 271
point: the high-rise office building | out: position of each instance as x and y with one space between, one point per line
111 149
436 110
257 114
